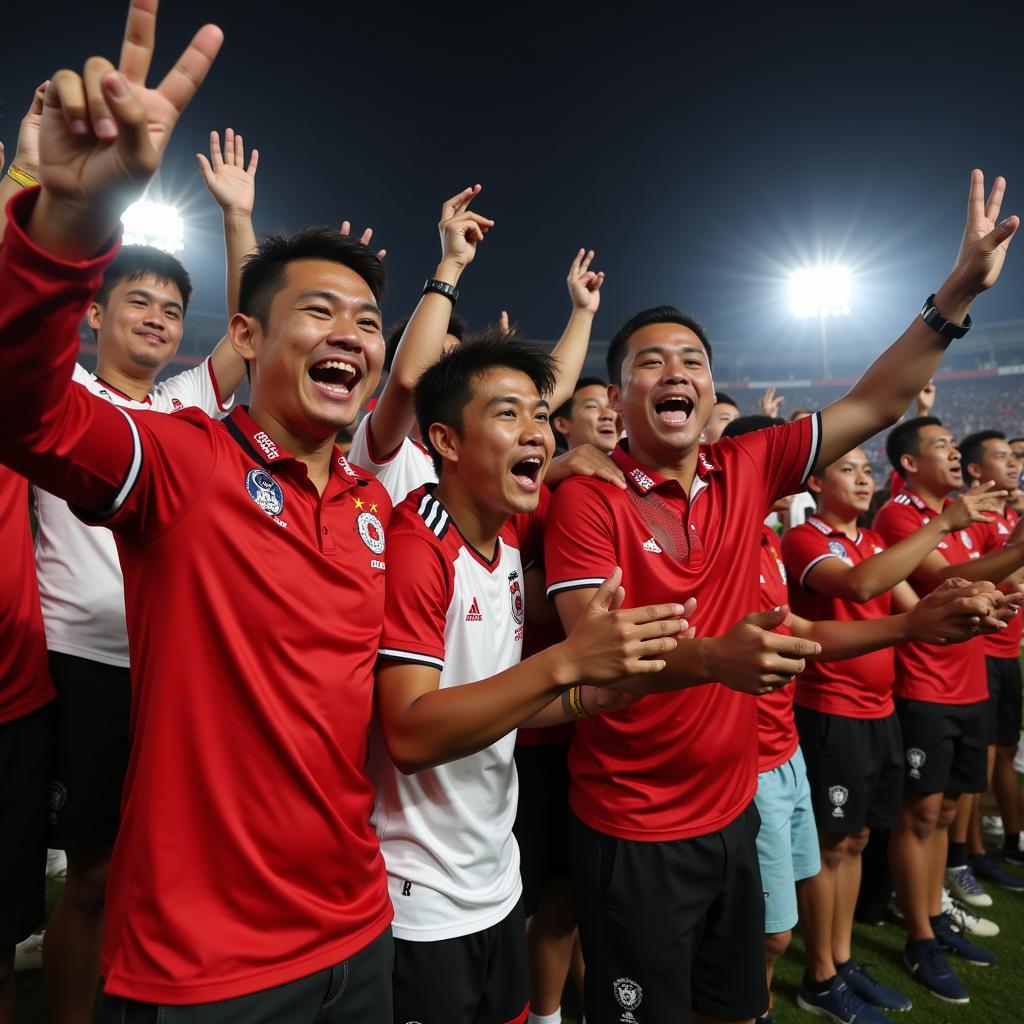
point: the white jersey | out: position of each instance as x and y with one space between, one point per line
407 470
446 832
80 583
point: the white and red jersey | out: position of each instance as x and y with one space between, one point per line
946 673
858 687
81 588
446 832
989 538
408 469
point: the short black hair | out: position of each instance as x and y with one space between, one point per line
456 327
565 409
263 272
721 398
748 424
903 440
137 261
1014 440
646 317
446 388
972 447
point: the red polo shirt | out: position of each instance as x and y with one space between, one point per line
988 538
680 764
941 674
24 673
777 738
245 857
856 687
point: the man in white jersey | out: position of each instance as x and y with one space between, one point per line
451 690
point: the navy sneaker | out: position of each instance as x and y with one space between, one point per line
1014 855
840 1004
984 866
953 942
871 990
927 963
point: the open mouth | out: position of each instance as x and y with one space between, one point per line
335 376
674 410
526 472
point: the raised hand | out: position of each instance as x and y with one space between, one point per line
231 183
503 323
461 229
986 238
971 506
346 229
104 132
926 400
26 155
959 610
584 283
770 402
583 460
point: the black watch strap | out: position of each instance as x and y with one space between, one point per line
449 291
937 322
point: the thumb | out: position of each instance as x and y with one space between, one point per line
132 130
770 619
603 600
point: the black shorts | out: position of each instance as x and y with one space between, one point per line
24 777
542 817
855 768
90 755
944 746
481 978
1004 701
356 991
673 927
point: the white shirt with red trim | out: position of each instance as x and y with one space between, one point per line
446 832
408 469
80 584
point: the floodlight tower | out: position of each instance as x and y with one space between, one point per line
157 224
820 291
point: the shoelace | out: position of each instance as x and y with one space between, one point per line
935 960
861 971
966 880
849 1002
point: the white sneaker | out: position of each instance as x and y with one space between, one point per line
28 954
56 865
992 824
963 886
966 922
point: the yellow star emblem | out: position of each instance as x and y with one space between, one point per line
359 502
373 507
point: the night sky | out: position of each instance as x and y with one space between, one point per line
700 151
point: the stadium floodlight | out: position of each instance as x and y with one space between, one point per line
820 291
157 224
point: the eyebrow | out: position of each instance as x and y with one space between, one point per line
659 350
329 296
513 400
149 297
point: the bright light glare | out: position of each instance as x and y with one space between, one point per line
820 291
156 224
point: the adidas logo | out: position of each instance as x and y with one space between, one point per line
652 545
473 615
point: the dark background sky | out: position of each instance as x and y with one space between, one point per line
700 150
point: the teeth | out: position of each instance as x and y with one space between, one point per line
336 364
533 459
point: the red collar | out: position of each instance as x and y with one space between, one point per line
645 480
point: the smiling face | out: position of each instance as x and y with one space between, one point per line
845 487
722 415
667 393
320 354
998 464
505 444
139 326
591 419
936 466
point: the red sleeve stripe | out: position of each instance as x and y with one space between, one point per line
131 477
591 581
811 565
812 457
395 654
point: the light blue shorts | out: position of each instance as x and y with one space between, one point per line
787 844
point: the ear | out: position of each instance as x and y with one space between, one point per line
909 464
445 440
561 425
615 397
814 484
974 472
94 317
244 333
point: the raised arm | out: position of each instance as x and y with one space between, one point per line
571 351
24 169
422 343
898 375
995 567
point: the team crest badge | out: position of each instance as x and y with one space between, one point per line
837 548
916 759
371 531
265 491
838 795
628 994
515 593
966 538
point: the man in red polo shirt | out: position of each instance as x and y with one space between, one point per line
662 792
253 558
941 695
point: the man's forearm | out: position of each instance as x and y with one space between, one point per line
239 242
842 640
569 354
994 567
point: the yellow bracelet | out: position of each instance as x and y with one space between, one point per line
23 178
576 702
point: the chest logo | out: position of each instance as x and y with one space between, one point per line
265 491
515 593
651 545
371 531
966 538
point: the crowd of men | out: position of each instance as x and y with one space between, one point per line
410 728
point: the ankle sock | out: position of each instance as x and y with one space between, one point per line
545 1018
819 988
1011 841
957 856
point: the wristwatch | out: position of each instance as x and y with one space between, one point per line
937 322
449 291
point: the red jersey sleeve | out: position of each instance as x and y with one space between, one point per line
781 457
803 548
417 599
96 456
579 544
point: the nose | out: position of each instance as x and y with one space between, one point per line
347 335
154 320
